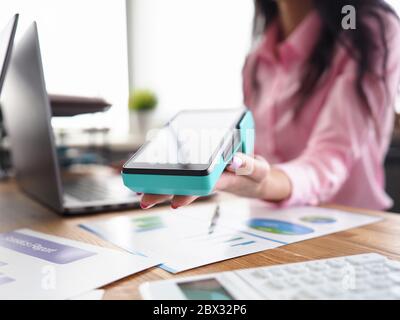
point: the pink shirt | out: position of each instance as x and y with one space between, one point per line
331 152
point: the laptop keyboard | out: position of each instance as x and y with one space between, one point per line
89 189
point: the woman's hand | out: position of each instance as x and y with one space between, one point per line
246 176
150 200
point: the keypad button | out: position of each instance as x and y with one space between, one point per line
275 284
395 291
277 272
296 269
331 290
393 265
311 279
365 258
259 274
293 282
395 277
317 266
377 268
336 264
380 282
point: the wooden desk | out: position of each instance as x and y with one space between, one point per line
18 211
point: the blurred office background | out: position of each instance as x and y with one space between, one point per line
188 52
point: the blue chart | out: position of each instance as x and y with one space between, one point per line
318 219
278 227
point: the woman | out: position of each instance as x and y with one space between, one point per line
322 96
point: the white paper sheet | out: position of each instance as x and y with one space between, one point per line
287 225
90 296
183 240
39 266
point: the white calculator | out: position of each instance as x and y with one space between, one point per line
366 276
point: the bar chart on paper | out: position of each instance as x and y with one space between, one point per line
179 241
222 238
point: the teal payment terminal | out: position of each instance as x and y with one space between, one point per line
188 155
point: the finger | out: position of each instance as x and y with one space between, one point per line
254 168
236 164
239 185
150 200
181 201
226 181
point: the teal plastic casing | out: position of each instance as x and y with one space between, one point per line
194 185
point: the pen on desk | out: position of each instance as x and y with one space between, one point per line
214 220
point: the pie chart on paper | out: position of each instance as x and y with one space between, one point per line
278 227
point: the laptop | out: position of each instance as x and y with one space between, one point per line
6 44
27 114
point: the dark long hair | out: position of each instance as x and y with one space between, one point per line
359 42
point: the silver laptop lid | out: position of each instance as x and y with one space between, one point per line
6 44
28 121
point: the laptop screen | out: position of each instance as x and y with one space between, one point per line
27 115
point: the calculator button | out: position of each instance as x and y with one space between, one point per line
293 282
331 290
335 275
395 277
395 291
275 284
358 269
296 269
377 268
393 265
380 282
336 264
311 279
365 258
360 287
277 272
259 274
317 266
361 274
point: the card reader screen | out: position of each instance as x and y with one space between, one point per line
190 138
207 289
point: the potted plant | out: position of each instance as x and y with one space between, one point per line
142 104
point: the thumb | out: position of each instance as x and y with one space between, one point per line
245 165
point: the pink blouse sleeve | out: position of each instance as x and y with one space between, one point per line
340 135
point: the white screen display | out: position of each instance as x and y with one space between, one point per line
190 138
